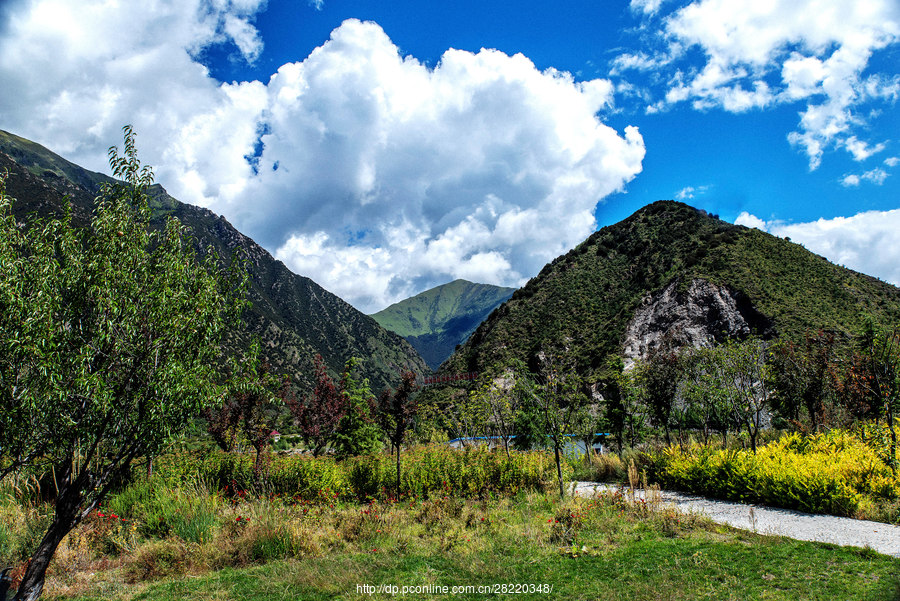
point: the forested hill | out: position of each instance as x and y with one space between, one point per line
436 321
294 317
672 268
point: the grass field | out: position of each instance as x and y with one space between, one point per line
608 548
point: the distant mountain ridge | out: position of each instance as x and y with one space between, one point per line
671 269
439 319
294 317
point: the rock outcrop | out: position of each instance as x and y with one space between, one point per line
699 315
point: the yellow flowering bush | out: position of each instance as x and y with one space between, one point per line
830 472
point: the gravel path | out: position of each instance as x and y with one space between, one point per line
882 538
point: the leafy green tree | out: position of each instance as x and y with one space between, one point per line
109 337
658 376
250 409
467 416
585 427
625 409
740 374
357 434
879 375
396 412
502 404
555 393
803 377
255 396
702 393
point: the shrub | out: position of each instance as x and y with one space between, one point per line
188 511
823 473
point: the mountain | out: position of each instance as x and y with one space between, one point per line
439 319
670 270
294 317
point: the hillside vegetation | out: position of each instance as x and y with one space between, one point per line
581 303
295 317
439 319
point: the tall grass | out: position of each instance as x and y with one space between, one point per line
427 471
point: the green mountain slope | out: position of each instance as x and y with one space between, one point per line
653 266
294 317
439 319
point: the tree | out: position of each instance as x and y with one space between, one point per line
109 338
879 375
253 398
658 377
739 371
498 397
396 412
250 408
357 433
702 392
803 376
222 425
623 404
319 416
559 402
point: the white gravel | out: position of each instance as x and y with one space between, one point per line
882 538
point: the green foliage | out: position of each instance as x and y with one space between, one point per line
433 470
584 299
557 403
110 335
879 375
109 338
296 317
357 434
439 319
500 400
804 379
187 510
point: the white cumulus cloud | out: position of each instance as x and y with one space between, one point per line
365 169
482 168
757 54
866 242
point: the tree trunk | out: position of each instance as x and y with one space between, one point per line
257 467
890 419
32 584
558 469
398 472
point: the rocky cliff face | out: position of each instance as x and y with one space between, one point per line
698 315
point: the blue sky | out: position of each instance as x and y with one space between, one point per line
356 146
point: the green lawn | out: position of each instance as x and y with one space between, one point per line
579 549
